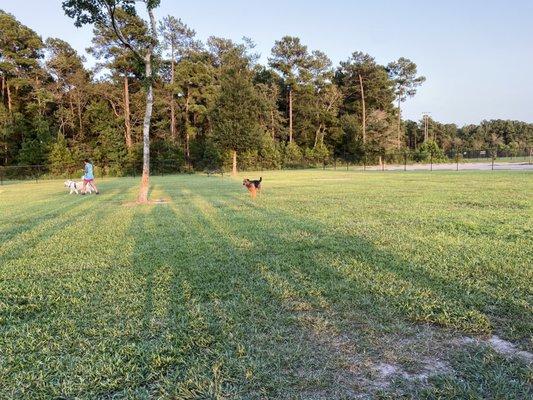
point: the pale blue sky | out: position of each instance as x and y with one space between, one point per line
477 55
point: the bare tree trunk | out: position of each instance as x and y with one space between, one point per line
9 106
272 124
234 164
71 106
187 151
172 105
364 107
173 120
290 115
318 134
80 120
145 180
399 123
127 121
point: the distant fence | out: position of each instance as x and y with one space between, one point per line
406 160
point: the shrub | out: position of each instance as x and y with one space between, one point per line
292 156
429 150
270 155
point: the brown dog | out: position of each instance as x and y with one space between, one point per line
253 186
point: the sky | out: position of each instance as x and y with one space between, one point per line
477 55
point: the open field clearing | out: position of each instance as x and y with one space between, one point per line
330 285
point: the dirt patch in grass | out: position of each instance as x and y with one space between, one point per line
503 347
383 363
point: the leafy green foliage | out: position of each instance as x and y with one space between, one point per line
211 97
429 151
403 73
236 112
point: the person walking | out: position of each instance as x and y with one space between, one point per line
88 177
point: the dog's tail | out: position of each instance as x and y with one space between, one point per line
260 179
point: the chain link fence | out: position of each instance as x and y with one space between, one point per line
406 160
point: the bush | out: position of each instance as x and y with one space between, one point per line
292 156
270 154
429 150
61 159
320 153
166 157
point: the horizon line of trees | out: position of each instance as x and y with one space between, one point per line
214 104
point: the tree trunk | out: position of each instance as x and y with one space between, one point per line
272 123
145 180
39 102
399 123
318 135
364 108
234 164
71 106
9 107
172 106
127 121
80 119
187 151
173 119
290 115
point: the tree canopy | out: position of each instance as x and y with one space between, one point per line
209 100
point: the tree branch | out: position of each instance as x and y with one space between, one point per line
118 32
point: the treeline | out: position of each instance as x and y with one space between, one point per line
213 103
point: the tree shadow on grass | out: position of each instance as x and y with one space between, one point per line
33 234
386 283
422 294
26 272
225 298
207 325
235 267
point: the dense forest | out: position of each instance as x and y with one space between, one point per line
213 102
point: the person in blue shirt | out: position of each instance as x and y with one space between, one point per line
88 177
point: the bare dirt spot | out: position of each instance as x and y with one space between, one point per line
507 348
359 368
499 345
363 366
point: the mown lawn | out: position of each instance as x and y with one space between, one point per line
330 285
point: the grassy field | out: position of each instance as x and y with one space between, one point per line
331 285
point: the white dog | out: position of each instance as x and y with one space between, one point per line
75 187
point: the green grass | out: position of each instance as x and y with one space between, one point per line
311 291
